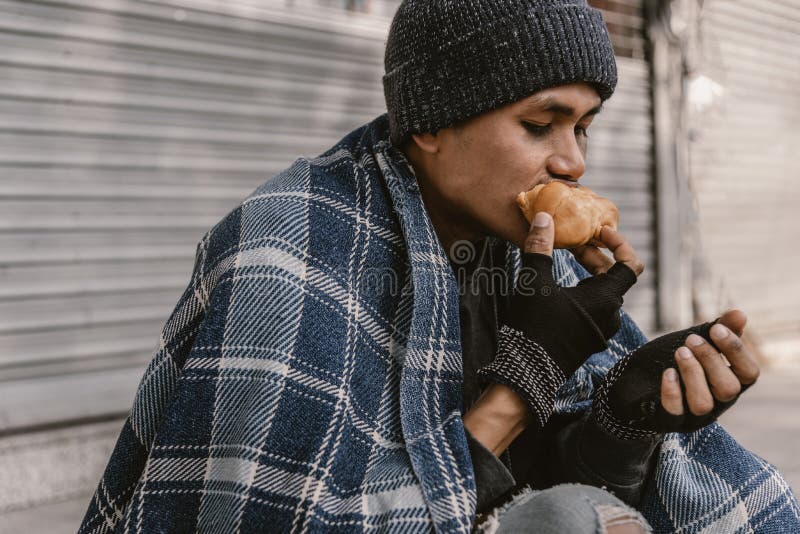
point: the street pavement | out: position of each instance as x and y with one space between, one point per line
766 420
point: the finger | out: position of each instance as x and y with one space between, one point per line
541 235
592 258
671 396
698 396
735 320
743 362
725 385
621 249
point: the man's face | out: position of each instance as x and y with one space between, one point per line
472 173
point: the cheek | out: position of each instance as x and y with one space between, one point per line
475 168
505 173
498 167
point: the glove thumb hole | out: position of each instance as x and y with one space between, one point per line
621 278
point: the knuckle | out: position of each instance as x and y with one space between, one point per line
707 354
735 343
701 406
728 391
672 396
672 407
700 351
751 375
671 388
690 365
537 242
670 392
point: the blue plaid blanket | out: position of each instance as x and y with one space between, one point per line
309 379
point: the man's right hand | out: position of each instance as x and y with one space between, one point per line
549 331
572 323
596 262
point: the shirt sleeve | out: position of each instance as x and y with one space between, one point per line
493 480
589 455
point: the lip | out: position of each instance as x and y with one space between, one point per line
568 183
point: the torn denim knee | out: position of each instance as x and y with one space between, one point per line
489 523
611 515
566 507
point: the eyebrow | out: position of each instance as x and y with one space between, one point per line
550 104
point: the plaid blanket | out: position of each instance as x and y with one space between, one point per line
309 379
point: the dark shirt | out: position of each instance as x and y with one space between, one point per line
569 448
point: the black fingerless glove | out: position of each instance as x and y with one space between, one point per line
550 331
628 401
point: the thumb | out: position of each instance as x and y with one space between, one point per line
541 235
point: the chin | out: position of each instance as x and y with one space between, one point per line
513 227
514 233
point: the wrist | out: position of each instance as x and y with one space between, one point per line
604 416
570 342
618 460
497 418
603 419
526 368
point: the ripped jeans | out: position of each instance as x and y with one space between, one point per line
572 508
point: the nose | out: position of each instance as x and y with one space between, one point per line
567 161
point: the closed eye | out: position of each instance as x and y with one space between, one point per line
539 130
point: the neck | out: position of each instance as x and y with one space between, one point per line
450 224
448 227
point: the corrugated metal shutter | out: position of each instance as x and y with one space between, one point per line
744 160
619 166
620 157
129 128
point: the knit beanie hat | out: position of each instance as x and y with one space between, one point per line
449 60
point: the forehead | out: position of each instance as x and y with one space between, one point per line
565 99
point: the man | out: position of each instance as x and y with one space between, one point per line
311 375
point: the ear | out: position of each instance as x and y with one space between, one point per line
427 142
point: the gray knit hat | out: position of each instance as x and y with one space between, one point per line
450 60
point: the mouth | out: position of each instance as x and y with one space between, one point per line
568 183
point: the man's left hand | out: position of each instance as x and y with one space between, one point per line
652 390
705 374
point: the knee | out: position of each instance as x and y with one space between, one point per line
566 500
611 515
574 508
630 528
620 519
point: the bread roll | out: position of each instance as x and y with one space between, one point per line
578 212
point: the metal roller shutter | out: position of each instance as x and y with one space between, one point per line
128 128
619 166
620 157
743 162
